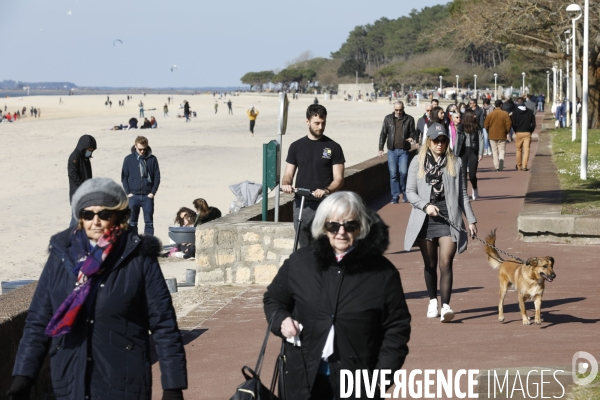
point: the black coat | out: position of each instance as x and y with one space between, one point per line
107 354
79 167
523 120
361 296
213 214
476 142
388 131
131 177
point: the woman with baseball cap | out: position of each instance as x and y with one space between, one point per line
435 187
100 296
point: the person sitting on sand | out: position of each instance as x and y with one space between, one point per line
133 123
153 123
184 217
146 124
205 213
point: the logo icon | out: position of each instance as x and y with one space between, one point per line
590 365
327 153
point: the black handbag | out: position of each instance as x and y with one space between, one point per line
252 388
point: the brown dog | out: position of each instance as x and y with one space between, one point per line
528 278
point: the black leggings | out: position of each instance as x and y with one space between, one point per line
470 159
252 122
429 250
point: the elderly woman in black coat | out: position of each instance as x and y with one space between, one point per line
99 297
341 300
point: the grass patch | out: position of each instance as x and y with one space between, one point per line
587 392
578 197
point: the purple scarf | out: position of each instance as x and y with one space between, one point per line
89 267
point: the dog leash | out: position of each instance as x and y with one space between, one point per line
476 237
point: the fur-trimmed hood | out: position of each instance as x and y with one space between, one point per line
357 260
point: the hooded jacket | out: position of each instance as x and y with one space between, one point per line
213 214
107 355
131 175
361 296
523 119
79 167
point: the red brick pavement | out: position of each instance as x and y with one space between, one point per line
475 339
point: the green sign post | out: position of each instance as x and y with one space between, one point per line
271 170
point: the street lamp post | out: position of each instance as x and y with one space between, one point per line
575 12
523 88
475 88
554 69
441 90
585 91
547 86
456 101
569 100
496 86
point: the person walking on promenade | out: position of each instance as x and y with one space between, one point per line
523 122
529 104
141 177
498 125
479 112
436 185
166 111
487 109
509 107
342 299
469 148
399 132
252 115
79 167
100 296
319 162
423 123
230 107
186 110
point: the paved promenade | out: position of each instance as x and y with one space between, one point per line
232 335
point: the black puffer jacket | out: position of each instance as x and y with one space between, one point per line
79 168
107 354
361 296
388 131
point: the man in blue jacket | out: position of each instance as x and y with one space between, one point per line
140 177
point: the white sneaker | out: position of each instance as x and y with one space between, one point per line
447 313
432 309
475 194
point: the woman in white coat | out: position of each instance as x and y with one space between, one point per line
436 185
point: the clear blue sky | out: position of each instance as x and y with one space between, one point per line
212 42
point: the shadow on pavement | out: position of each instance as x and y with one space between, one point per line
422 294
187 336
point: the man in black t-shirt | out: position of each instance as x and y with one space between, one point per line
320 165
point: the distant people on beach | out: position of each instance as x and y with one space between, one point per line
252 115
316 101
186 110
229 106
153 123
141 106
146 124
166 110
79 167
216 106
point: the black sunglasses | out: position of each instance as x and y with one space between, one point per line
349 226
104 215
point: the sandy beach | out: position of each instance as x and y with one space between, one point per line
197 159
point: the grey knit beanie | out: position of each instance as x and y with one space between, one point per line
97 192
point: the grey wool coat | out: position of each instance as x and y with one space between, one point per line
418 192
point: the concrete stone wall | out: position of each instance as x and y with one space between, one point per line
242 253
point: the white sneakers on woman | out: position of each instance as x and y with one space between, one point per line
432 309
447 313
475 194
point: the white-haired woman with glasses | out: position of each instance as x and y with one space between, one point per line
99 297
341 300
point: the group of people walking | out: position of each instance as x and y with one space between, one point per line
337 300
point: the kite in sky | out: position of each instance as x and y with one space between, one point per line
115 42
174 67
69 13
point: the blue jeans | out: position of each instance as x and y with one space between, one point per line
398 165
540 106
486 140
141 113
146 203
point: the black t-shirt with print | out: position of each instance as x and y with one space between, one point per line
314 160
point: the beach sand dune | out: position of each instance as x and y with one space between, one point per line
197 159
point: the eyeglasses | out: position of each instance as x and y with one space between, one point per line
398 109
104 215
349 226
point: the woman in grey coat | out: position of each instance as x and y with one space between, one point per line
436 185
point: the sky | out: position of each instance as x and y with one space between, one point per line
213 43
